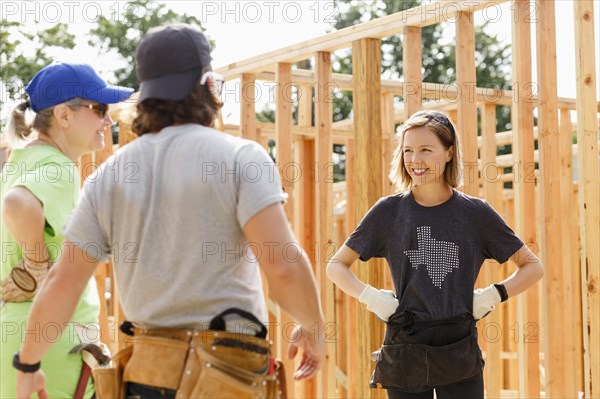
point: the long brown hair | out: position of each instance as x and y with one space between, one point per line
201 106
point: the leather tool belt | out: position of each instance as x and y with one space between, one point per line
209 363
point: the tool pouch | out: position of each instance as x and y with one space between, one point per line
204 364
109 380
422 355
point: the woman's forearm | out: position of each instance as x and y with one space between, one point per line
341 275
524 277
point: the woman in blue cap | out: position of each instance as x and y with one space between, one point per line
38 189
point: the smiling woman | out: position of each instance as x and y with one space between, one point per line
435 240
40 187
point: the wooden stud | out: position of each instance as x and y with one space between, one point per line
571 276
351 309
248 107
489 326
389 141
324 209
366 62
524 192
412 54
589 187
341 326
306 154
283 132
303 182
580 354
87 166
453 116
467 107
388 127
554 283
102 271
125 133
285 162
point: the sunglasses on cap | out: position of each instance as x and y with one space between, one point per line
218 81
101 109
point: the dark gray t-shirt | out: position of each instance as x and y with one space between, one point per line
434 253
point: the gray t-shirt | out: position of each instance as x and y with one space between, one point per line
170 208
434 253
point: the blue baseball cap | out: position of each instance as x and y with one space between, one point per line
59 82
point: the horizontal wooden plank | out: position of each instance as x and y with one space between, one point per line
432 91
424 15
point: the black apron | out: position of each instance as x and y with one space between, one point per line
417 355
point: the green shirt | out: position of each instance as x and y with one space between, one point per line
54 179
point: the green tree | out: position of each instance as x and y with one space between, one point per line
17 67
123 34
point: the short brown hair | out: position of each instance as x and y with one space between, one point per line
201 106
442 127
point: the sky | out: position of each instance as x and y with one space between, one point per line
243 29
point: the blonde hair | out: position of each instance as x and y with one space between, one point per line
18 129
442 127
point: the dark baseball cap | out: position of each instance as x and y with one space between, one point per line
170 60
60 82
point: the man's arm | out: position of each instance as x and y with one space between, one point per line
290 279
55 303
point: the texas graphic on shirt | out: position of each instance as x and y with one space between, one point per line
439 257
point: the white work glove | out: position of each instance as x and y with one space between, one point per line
484 301
381 302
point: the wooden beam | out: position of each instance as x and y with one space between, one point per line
125 134
366 63
467 107
388 141
493 372
351 310
571 276
87 166
433 91
248 107
550 211
308 236
524 191
304 182
387 150
285 163
307 132
101 272
412 55
305 106
283 132
324 192
589 186
424 15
